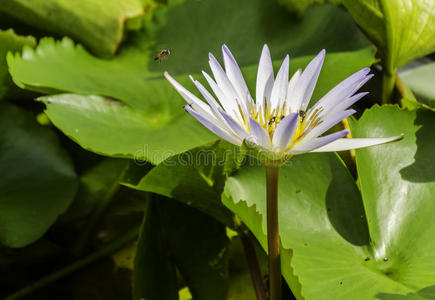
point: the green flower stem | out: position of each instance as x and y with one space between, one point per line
389 70
273 243
388 81
53 277
254 267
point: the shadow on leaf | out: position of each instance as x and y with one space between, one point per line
346 214
422 169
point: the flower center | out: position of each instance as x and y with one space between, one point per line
269 119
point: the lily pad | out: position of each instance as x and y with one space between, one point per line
195 177
10 41
38 178
398 184
99 26
402 30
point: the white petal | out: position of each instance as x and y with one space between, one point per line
261 136
284 132
347 144
268 91
211 101
229 106
279 90
213 127
207 96
308 81
226 86
234 125
290 99
190 98
234 74
265 77
221 78
317 143
327 124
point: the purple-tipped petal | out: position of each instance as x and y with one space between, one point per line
345 104
234 74
213 127
327 124
260 134
265 77
344 89
348 144
308 80
284 132
234 125
279 90
317 143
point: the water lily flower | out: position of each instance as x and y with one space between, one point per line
278 123
278 120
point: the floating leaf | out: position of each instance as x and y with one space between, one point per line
398 183
38 179
402 30
195 178
100 26
10 41
108 127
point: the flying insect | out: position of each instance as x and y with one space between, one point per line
162 54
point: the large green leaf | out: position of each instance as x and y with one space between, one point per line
194 177
98 25
176 235
111 128
402 30
398 187
410 29
10 41
38 180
